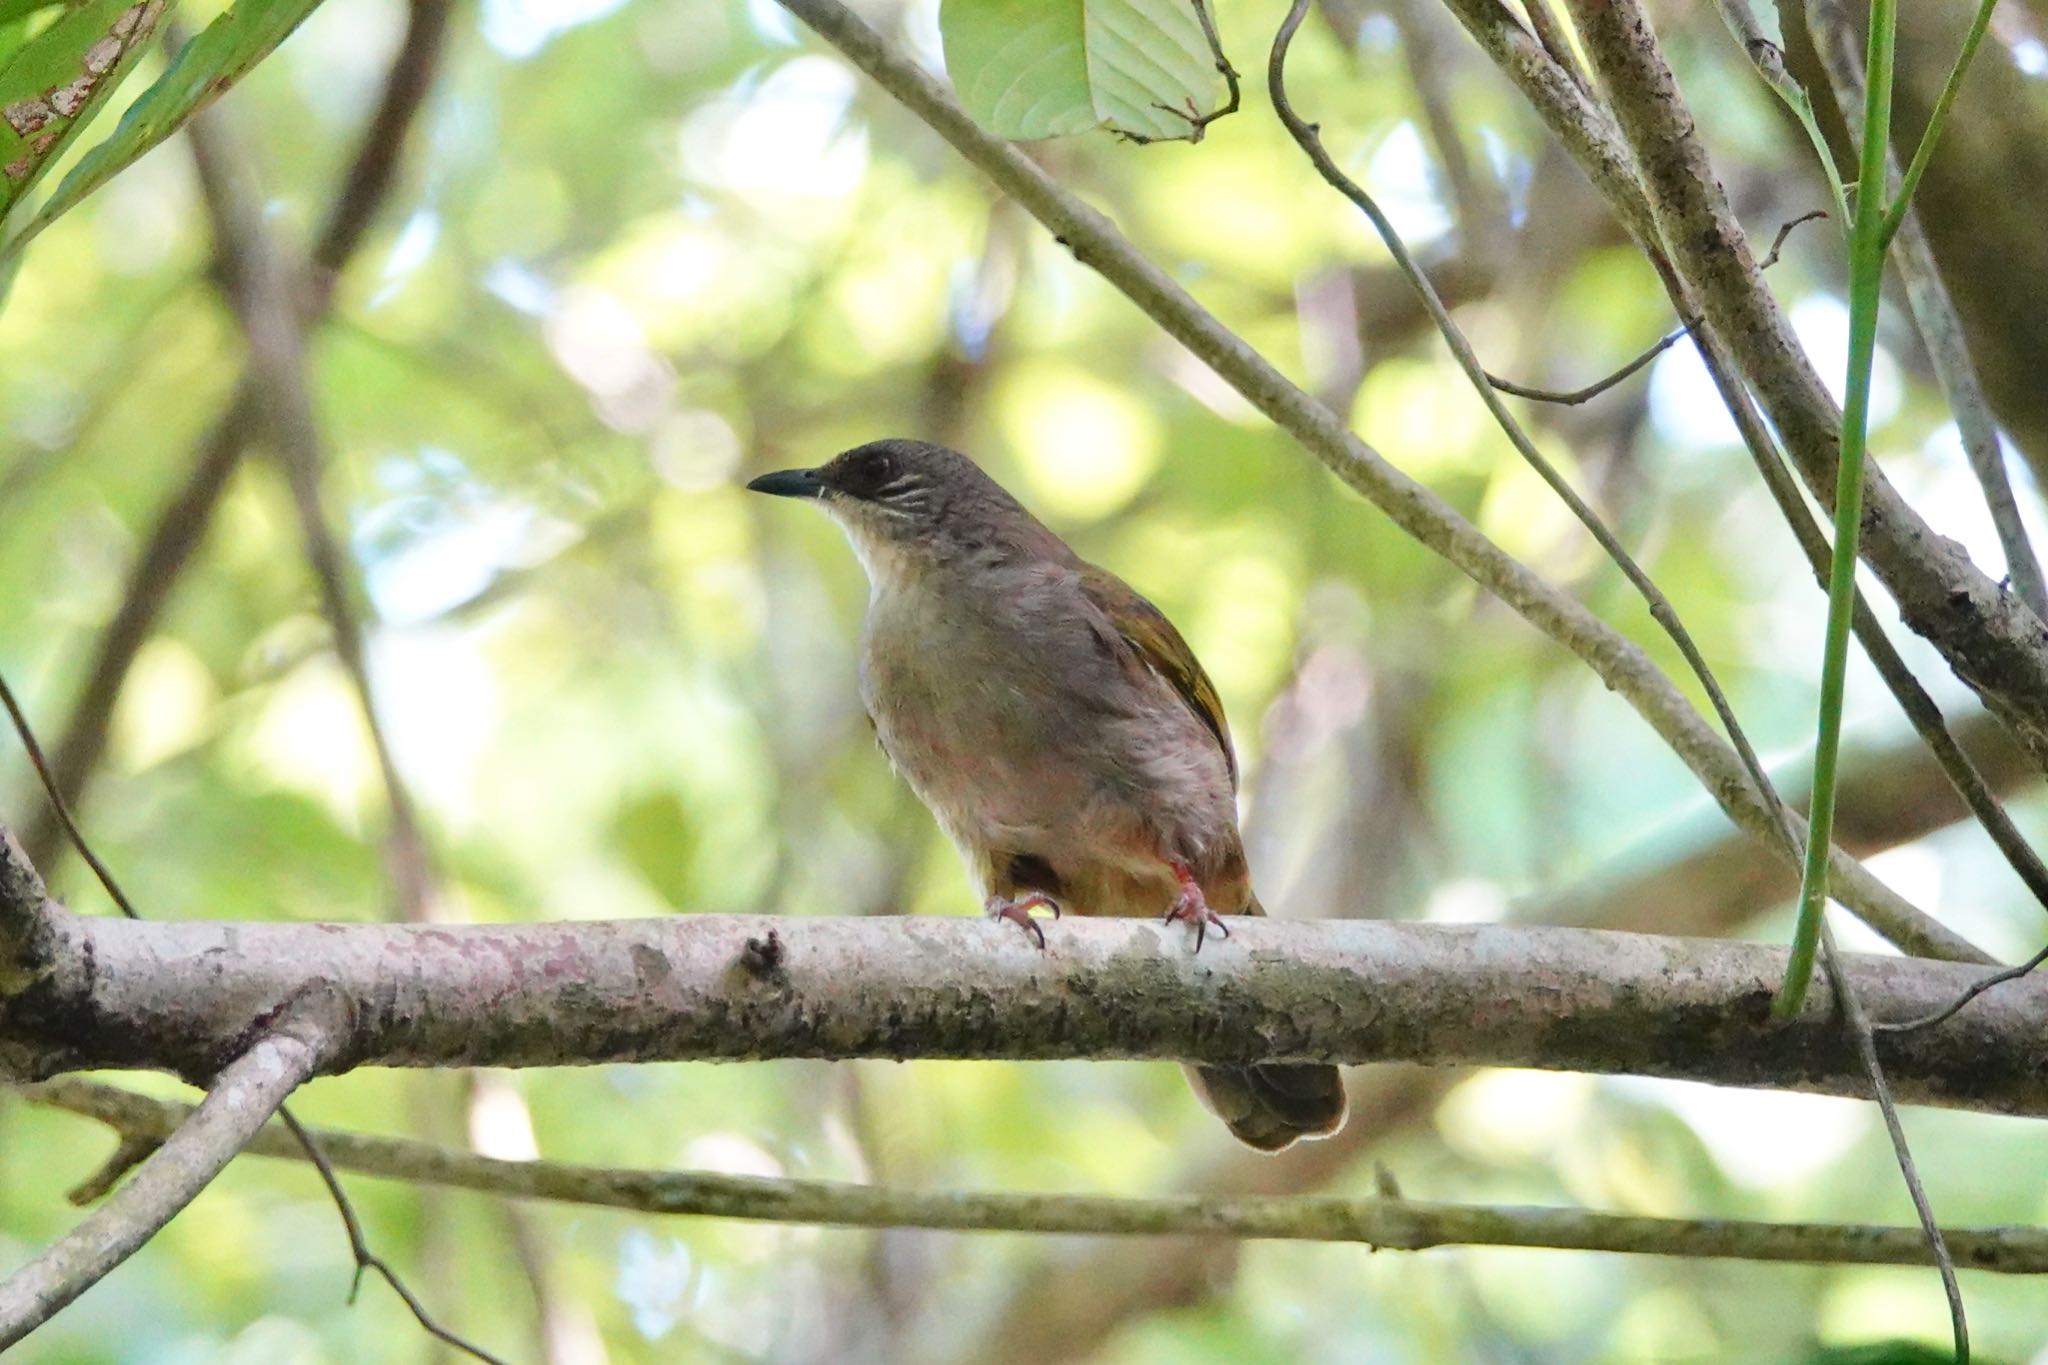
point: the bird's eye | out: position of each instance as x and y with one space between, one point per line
873 477
869 474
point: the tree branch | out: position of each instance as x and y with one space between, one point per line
1992 639
1391 1224
1066 1302
172 995
1619 663
374 168
1309 138
242 1099
259 281
1586 131
1890 796
1934 314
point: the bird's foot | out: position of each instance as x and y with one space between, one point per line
1191 907
1018 912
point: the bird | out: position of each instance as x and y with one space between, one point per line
1056 724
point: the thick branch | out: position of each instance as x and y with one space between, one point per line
173 996
241 1101
1385 1223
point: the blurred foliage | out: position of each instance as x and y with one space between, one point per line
645 250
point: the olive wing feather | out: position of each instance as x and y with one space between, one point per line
1159 647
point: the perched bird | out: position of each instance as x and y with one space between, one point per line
1055 723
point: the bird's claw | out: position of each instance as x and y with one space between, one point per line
1191 907
1018 912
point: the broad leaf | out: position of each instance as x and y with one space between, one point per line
1043 68
202 70
52 85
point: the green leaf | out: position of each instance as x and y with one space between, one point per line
1033 68
53 84
202 70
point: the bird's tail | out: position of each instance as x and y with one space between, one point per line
1272 1104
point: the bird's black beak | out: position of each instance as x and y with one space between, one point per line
790 483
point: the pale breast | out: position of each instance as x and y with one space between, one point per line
1019 724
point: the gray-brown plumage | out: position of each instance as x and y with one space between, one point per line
1055 723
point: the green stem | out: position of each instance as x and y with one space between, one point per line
1931 134
1866 275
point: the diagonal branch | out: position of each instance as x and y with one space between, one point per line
1619 663
1390 1224
241 1100
258 281
1309 138
1991 638
1586 131
1934 314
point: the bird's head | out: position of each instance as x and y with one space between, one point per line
908 504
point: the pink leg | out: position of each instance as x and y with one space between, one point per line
1191 907
1018 912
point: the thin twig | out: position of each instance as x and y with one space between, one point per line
366 1259
118 1164
1389 1222
1309 139
1857 1024
1955 1006
1556 42
241 1099
1769 60
35 756
1574 397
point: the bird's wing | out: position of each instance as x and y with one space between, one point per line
1145 629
